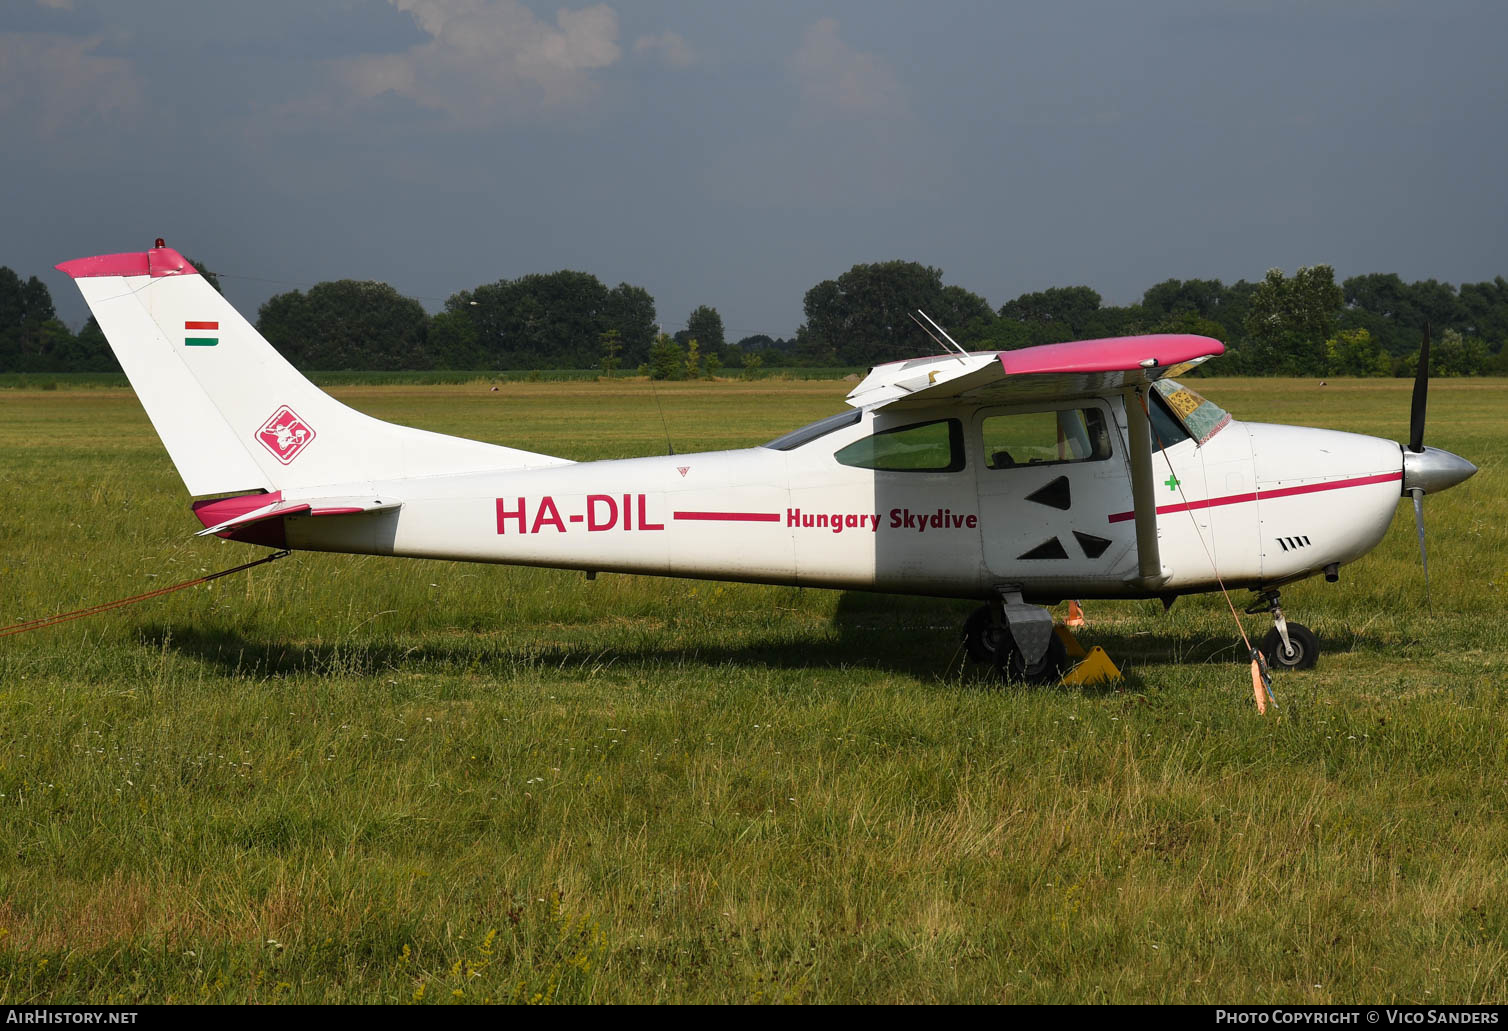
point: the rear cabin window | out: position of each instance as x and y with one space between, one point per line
924 447
811 431
1045 438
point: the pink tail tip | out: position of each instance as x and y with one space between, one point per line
160 261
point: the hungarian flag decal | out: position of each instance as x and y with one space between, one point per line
196 334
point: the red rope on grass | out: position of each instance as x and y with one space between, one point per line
64 617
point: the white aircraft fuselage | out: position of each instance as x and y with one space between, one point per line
1075 470
1254 505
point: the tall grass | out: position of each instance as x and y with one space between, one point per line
350 779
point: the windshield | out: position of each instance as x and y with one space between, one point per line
1203 418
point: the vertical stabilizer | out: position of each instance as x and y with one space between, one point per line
233 414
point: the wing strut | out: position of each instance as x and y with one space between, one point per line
1143 491
963 355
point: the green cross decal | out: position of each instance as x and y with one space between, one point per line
1172 481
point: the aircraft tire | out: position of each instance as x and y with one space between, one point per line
980 635
1047 671
1305 648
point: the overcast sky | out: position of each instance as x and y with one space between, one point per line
736 153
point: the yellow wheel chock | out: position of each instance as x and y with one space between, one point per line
1093 667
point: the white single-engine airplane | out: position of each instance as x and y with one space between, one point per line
1075 470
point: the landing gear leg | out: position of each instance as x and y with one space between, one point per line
1287 645
1016 638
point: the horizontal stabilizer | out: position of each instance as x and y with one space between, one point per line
281 506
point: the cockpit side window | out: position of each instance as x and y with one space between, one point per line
1055 437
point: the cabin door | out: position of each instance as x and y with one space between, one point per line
1054 492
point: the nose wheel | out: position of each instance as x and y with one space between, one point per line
1288 646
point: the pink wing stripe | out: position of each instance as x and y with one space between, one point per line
1113 354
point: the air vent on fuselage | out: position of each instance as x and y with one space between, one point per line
1093 546
1054 494
1047 549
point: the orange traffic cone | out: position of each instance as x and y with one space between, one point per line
1075 615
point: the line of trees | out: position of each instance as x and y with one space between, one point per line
1301 325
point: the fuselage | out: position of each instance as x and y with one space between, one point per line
1249 504
1074 469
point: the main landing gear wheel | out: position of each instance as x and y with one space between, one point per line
1302 651
982 634
988 640
1047 670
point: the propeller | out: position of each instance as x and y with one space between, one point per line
1419 525
1421 397
1416 444
1427 470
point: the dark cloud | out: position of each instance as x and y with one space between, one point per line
279 29
735 155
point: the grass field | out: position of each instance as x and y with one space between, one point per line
351 779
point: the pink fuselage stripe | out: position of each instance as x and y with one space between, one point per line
730 517
1281 492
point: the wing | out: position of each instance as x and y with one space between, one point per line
1079 368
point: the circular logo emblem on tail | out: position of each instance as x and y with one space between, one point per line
285 434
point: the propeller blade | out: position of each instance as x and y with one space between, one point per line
1421 396
1419 524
